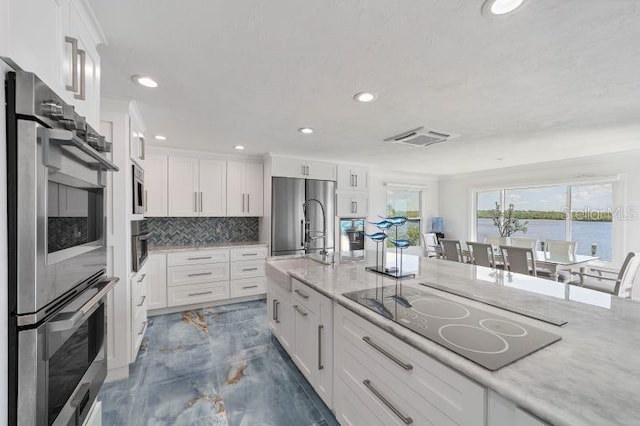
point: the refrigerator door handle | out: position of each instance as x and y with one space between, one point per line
302 233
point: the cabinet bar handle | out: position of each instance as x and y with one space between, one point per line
201 202
320 366
74 63
242 203
356 176
142 277
195 202
301 294
200 274
142 301
82 96
199 258
275 311
144 324
307 170
300 311
248 203
304 170
380 349
249 269
202 293
405 419
249 286
249 254
355 210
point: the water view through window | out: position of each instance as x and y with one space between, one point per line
544 212
405 202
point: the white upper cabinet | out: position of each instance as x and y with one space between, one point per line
57 39
353 178
245 190
183 187
196 187
298 168
352 204
213 188
155 186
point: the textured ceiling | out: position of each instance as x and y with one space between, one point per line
557 79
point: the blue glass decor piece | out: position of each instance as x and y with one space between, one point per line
377 237
437 224
397 220
401 244
383 224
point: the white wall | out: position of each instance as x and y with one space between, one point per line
380 181
456 192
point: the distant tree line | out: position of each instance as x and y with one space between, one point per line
581 216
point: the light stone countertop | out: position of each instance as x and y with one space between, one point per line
195 247
591 376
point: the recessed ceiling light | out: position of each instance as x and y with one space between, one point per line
145 81
160 138
501 7
364 97
305 130
239 147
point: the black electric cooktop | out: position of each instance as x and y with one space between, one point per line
489 340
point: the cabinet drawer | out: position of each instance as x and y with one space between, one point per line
139 304
351 410
198 293
248 253
184 275
198 257
247 287
305 295
247 269
440 390
139 283
138 328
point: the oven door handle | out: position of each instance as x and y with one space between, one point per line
144 236
88 308
67 137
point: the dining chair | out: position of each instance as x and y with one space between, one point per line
519 259
430 244
619 283
531 243
498 241
451 250
481 254
560 248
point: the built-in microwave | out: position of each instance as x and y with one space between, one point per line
139 244
139 194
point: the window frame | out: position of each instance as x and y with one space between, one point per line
419 218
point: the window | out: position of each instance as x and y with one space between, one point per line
545 213
405 202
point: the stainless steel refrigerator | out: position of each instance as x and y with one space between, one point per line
287 214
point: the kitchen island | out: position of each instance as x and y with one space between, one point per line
589 377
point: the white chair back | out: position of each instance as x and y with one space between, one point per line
498 241
520 260
629 280
430 244
481 254
531 243
451 250
560 248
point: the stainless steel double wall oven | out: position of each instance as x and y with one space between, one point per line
57 167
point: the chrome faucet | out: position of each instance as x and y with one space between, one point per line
307 231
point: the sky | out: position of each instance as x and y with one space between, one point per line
553 198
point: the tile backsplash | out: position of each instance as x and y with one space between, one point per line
202 230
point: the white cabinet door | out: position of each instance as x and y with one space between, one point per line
321 170
183 187
352 205
236 194
155 186
254 178
288 167
157 282
353 178
324 344
304 344
213 187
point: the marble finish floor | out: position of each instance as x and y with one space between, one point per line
214 366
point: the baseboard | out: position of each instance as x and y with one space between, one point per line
182 308
117 374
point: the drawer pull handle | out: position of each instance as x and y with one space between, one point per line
142 277
144 325
142 301
249 254
405 419
249 286
320 366
275 311
380 349
200 274
301 294
249 269
202 293
300 311
199 258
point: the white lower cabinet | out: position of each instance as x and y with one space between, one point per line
157 285
396 383
280 313
139 302
197 293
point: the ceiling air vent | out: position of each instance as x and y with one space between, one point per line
421 137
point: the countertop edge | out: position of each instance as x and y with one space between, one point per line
180 248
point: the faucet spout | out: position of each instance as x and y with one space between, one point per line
308 237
